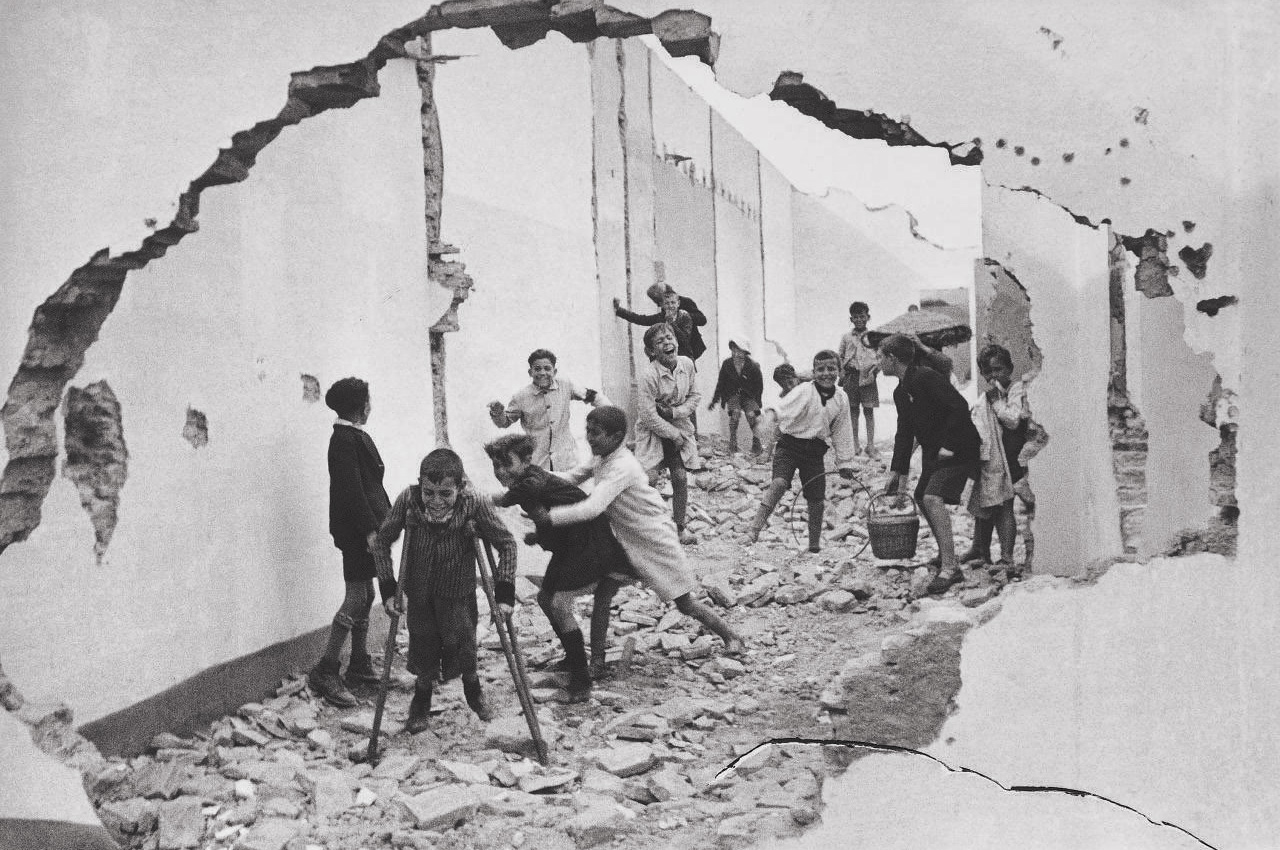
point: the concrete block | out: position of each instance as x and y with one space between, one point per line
270 834
181 823
398 767
627 760
464 772
597 825
836 600
441 808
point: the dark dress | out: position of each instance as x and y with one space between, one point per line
582 553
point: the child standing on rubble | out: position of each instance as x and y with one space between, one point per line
665 433
638 517
357 505
739 389
809 418
584 557
860 365
439 516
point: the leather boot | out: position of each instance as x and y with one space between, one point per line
419 708
575 654
361 672
323 679
476 700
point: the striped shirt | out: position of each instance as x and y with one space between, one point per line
438 559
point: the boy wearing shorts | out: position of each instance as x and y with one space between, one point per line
665 433
739 389
859 364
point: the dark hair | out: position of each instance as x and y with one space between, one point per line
859 307
784 372
910 351
900 346
611 419
441 464
994 352
347 397
541 354
653 331
826 354
520 445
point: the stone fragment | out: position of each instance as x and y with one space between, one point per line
441 808
170 741
720 591
920 579
669 619
893 646
730 668
270 834
362 724
597 824
329 789
548 694
181 823
746 705
978 596
792 594
281 807
244 789
247 735
627 760
667 784
397 766
550 780
752 828
160 779
700 648
832 697
679 711
129 817
601 782
321 739
465 772
760 590
673 643
511 735
836 600
365 797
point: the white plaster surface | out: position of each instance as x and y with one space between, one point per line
35 786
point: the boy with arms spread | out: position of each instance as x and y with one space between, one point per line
638 517
438 517
810 417
543 409
583 556
676 310
932 412
860 364
668 397
357 505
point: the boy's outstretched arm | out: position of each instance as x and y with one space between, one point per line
503 415
635 318
598 500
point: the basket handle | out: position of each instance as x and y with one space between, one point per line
871 505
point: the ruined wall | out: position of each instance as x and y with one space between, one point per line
1064 268
221 546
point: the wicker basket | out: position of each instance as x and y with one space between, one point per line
892 535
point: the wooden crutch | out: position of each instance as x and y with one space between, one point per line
388 655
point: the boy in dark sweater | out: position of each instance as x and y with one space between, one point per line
740 389
932 412
438 517
357 505
584 556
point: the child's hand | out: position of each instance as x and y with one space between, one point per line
945 454
496 409
531 538
392 609
371 541
540 516
617 305
846 473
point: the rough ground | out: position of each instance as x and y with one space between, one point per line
641 765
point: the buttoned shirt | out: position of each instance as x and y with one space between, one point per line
803 414
544 415
856 356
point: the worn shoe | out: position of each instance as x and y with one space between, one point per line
323 679
945 580
362 673
476 700
756 448
973 556
733 447
579 687
598 669
419 710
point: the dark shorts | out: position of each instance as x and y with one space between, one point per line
946 481
357 564
749 406
442 636
806 456
865 395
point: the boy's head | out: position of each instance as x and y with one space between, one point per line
896 353
785 377
859 314
349 398
826 369
660 343
738 353
657 292
606 429
670 303
996 365
511 454
440 478
542 368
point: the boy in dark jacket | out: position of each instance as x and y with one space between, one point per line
932 412
357 505
739 389
583 556
440 517
676 310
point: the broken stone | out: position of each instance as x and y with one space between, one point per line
270 834
627 760
752 828
727 667
362 724
837 601
893 646
792 594
669 619
746 705
511 735
441 808
700 648
602 782
720 591
464 772
160 779
598 824
244 734
321 740
397 766
550 780
181 823
330 791
365 797
129 817
244 789
759 591
832 697
673 643
667 784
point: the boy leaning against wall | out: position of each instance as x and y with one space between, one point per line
439 516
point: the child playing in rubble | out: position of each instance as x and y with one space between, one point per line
668 397
860 364
638 517
357 505
1003 419
932 412
543 409
809 418
584 557
438 561
739 389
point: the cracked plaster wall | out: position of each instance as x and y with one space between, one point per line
231 538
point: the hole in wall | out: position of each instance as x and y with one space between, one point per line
310 388
97 460
196 429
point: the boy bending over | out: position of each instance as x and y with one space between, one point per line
638 517
439 566
583 556
810 417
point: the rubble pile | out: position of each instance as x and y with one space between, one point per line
668 751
